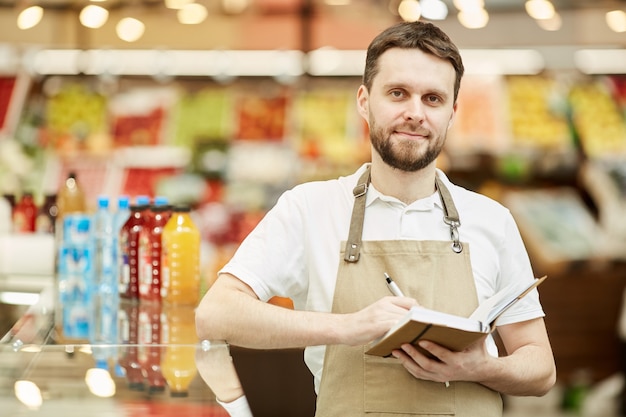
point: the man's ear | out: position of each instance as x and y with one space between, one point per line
362 102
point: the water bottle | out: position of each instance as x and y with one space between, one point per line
105 297
75 278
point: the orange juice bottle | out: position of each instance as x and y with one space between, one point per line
180 260
178 333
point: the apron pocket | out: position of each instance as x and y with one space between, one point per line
389 388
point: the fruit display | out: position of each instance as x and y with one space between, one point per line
537 113
205 114
479 123
325 119
597 119
74 115
261 117
139 117
617 85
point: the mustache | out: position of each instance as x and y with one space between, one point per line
411 128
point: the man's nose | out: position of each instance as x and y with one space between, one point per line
414 110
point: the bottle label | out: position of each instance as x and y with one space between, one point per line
124 278
144 267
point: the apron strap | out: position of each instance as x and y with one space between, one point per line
353 245
451 216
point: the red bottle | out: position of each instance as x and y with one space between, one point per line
129 249
150 254
150 347
129 351
25 214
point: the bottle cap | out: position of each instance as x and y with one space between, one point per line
123 202
160 201
103 202
142 200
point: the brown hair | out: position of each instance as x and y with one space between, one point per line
408 35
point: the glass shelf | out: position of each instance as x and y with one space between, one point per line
44 374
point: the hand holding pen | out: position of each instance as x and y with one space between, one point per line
393 287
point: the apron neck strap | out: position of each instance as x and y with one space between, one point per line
353 245
450 215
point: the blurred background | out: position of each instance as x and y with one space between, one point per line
221 105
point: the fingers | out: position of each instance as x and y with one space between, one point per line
421 366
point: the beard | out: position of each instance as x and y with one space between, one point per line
405 155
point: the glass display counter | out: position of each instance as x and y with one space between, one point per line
41 374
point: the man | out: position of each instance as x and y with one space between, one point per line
328 244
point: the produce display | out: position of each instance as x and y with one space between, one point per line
206 114
74 115
140 116
261 117
597 119
537 112
316 122
479 124
324 118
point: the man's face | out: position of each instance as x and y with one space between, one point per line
409 107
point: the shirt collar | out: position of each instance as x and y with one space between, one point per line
424 204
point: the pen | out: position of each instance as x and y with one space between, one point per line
393 287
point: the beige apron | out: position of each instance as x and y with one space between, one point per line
439 276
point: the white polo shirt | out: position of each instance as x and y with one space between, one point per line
295 250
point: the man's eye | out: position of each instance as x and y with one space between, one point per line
397 93
433 99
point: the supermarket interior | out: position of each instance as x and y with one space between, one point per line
213 108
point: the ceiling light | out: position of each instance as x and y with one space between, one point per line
503 61
337 2
469 4
553 24
473 18
234 6
29 17
177 4
539 9
434 9
616 20
601 61
410 10
192 14
130 29
93 16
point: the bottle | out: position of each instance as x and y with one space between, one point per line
71 197
150 254
122 213
179 336
129 338
47 215
105 297
150 348
129 249
180 282
75 279
25 214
